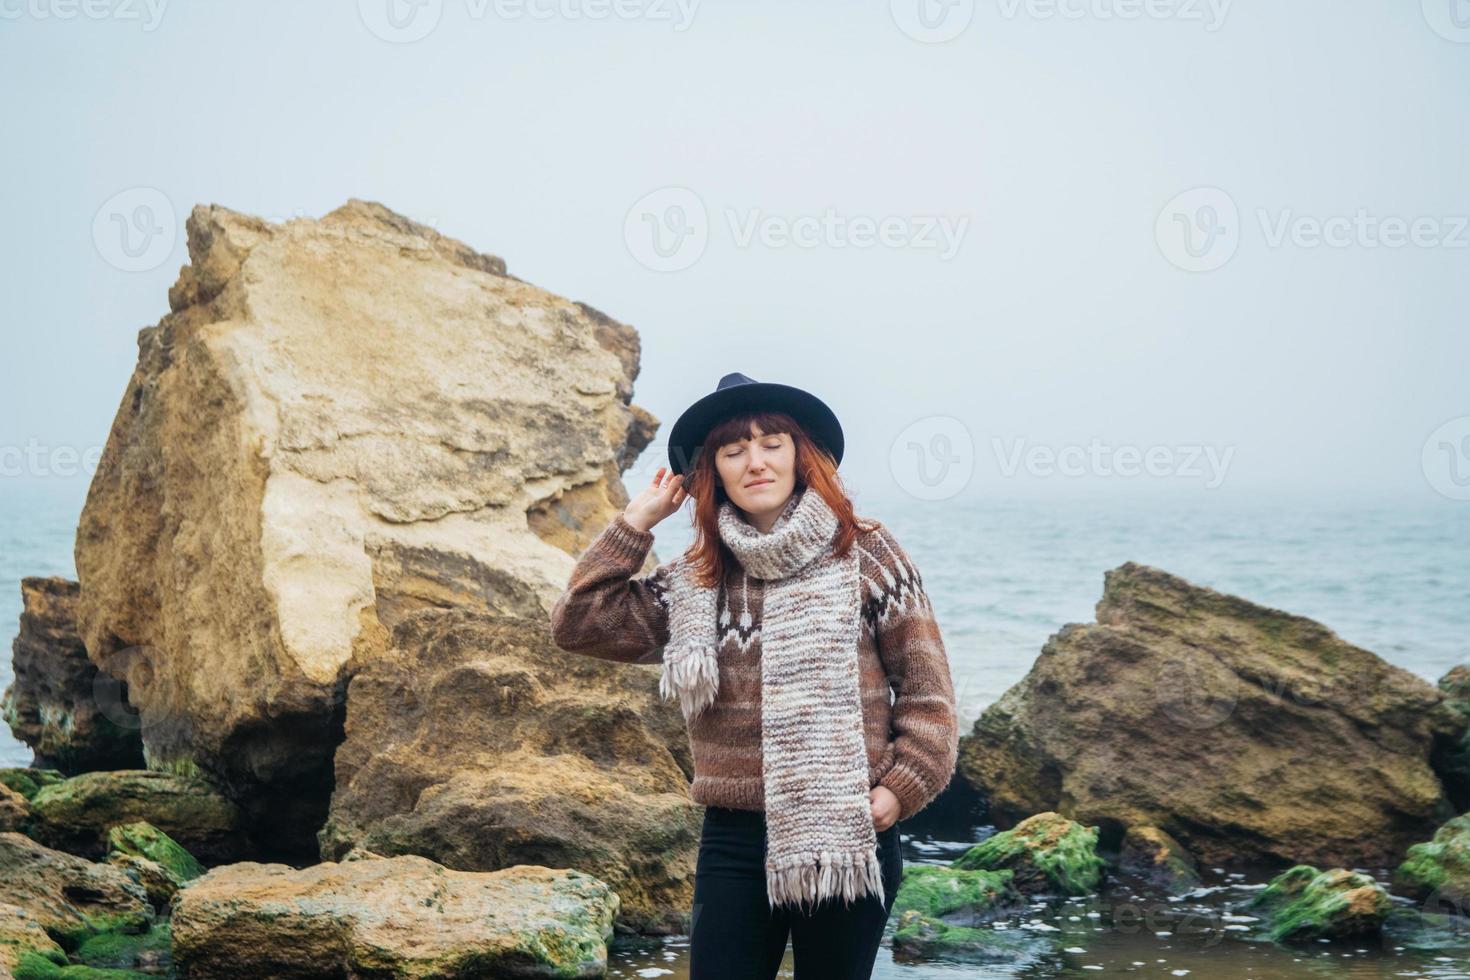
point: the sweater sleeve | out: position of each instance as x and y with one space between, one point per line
607 613
925 719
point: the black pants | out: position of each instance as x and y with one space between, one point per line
735 935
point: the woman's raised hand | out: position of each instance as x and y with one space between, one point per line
656 501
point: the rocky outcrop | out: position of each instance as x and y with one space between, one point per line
78 814
475 741
73 718
340 422
391 917
1246 733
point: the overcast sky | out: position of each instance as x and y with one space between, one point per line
1225 242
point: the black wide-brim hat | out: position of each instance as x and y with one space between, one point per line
735 394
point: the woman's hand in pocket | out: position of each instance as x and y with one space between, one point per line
885 807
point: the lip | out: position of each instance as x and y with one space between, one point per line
759 483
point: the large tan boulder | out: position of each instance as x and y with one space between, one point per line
340 421
1246 733
73 719
391 917
477 742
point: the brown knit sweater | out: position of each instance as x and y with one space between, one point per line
910 722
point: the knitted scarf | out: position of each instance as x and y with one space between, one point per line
819 824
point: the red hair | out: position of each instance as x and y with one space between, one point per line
815 470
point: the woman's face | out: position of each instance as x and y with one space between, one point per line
758 475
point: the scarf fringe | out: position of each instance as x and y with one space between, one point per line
692 674
815 875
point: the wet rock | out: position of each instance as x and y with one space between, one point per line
918 937
72 718
401 917
1152 858
1253 735
340 422
475 741
1045 853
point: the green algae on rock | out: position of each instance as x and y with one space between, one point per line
1045 852
153 859
1304 903
957 896
28 781
1440 868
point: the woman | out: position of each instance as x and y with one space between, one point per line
781 632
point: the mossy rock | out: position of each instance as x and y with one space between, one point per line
956 896
28 781
918 936
1440 868
35 966
1045 853
1304 903
76 814
128 951
152 858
